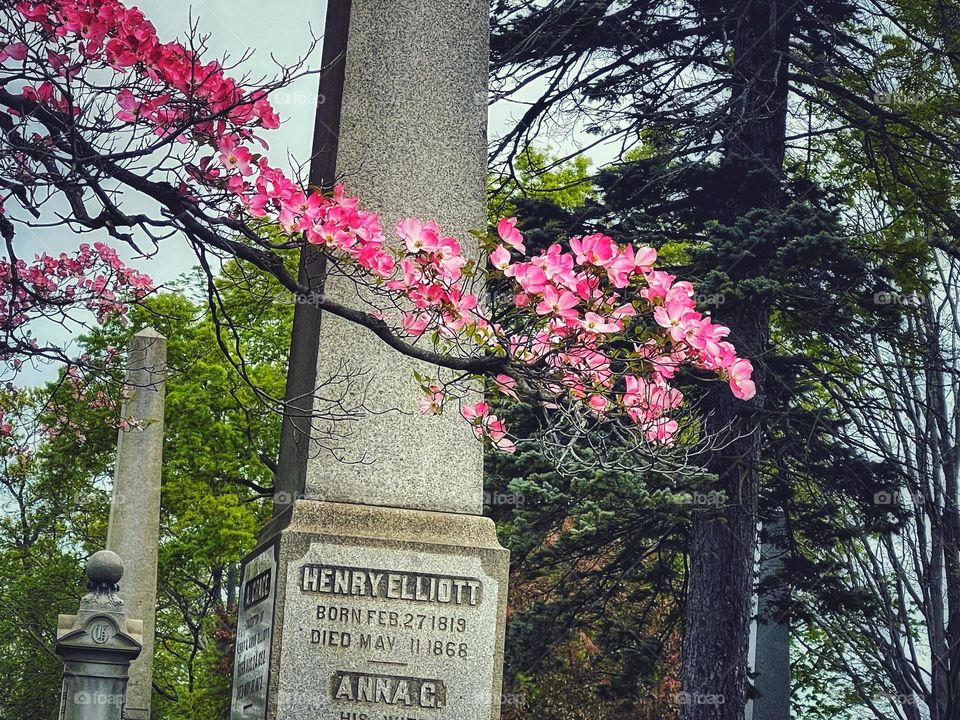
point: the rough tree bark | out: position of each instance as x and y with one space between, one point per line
716 634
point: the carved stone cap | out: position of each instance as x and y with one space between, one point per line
104 570
100 632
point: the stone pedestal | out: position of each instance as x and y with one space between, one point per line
353 612
98 644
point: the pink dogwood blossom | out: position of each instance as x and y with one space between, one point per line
432 402
507 229
594 323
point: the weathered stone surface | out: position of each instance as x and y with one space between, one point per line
105 568
412 143
379 612
134 527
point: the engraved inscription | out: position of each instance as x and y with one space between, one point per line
388 635
388 690
101 632
256 590
390 585
254 636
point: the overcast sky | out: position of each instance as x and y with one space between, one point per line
277 30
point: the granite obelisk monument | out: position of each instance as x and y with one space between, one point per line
378 589
134 528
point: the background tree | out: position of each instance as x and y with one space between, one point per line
596 576
897 650
724 100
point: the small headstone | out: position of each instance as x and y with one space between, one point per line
255 611
97 645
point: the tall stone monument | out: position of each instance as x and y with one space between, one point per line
378 590
134 528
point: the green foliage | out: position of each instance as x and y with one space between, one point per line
582 579
821 673
596 566
596 552
220 440
39 574
540 175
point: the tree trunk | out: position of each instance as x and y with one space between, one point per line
715 647
945 570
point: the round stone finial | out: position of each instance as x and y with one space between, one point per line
105 568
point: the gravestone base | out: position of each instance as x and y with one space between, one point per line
358 612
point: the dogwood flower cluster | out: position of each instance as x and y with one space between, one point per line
592 322
25 417
593 302
94 277
73 34
49 286
83 388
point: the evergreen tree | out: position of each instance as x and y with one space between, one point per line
712 93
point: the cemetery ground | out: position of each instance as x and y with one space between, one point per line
467 360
